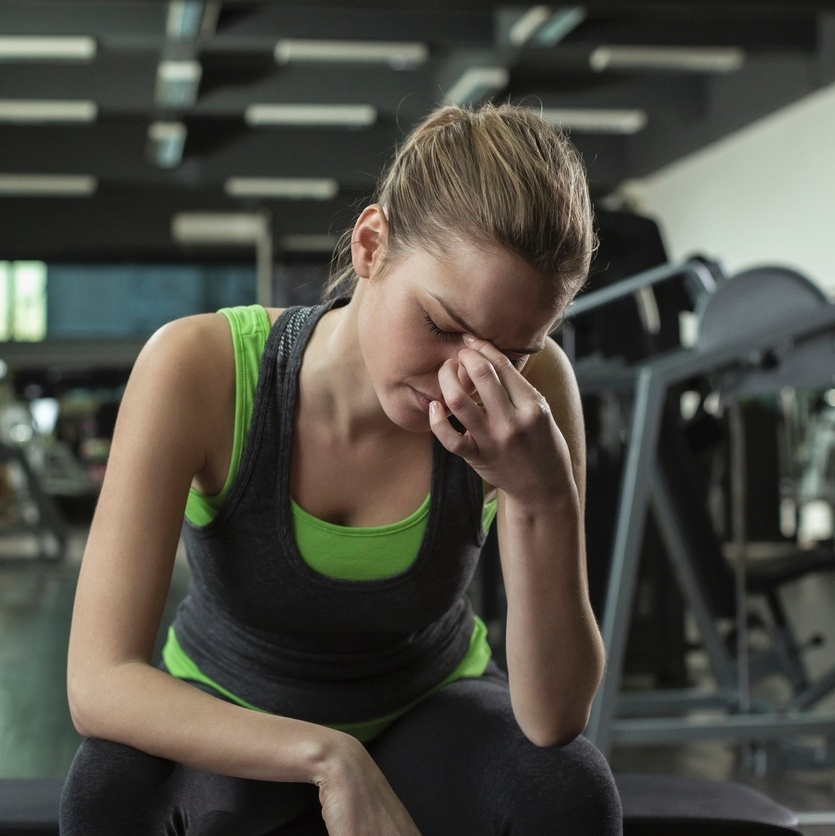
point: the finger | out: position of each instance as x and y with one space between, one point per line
510 377
461 444
490 389
457 398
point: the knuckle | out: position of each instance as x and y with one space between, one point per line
457 401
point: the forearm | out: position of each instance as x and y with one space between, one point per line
135 704
554 649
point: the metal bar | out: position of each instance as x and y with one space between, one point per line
700 277
629 529
737 727
662 701
682 563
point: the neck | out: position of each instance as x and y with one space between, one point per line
335 389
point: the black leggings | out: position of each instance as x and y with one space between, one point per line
458 762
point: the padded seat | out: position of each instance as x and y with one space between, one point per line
673 805
29 806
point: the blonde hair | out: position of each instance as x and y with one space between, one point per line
499 174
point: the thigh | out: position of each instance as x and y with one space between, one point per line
113 788
460 764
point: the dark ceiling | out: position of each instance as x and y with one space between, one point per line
548 56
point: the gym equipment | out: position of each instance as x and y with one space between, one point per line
29 806
760 331
672 805
46 524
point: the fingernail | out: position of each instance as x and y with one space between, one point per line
434 406
469 339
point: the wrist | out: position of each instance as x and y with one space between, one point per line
330 753
557 503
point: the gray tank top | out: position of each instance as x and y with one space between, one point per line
264 625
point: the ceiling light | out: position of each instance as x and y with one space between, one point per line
350 116
177 83
79 185
218 227
524 27
166 141
477 83
294 188
42 110
400 55
307 243
184 19
560 24
597 120
669 58
18 48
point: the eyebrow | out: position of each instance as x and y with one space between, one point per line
459 321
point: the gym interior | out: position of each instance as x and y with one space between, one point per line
160 159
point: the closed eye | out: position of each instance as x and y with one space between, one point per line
439 332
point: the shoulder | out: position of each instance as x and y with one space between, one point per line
551 373
186 370
196 345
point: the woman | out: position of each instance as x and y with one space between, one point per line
338 467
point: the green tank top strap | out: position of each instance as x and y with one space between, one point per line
250 326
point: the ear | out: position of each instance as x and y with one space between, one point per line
368 241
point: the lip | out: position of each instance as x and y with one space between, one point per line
422 399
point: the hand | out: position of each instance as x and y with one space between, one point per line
357 800
511 440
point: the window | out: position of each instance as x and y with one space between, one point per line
22 301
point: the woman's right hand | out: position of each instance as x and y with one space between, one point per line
356 798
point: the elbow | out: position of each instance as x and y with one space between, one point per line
82 706
557 730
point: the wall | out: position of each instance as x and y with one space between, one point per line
763 195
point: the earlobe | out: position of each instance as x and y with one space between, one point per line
368 241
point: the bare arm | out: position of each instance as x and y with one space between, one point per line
527 439
174 406
554 649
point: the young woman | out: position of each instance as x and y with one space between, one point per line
338 467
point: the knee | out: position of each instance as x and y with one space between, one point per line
108 782
564 789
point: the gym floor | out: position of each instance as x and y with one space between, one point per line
37 738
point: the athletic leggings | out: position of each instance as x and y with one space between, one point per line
458 762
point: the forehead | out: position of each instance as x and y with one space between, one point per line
493 289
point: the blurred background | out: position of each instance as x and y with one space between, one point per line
159 159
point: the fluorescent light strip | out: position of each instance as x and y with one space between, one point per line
19 48
307 243
683 59
166 141
43 110
184 19
400 55
524 27
218 227
597 120
177 83
561 24
349 116
477 83
76 185
294 188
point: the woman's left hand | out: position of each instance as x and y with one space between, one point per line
511 440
